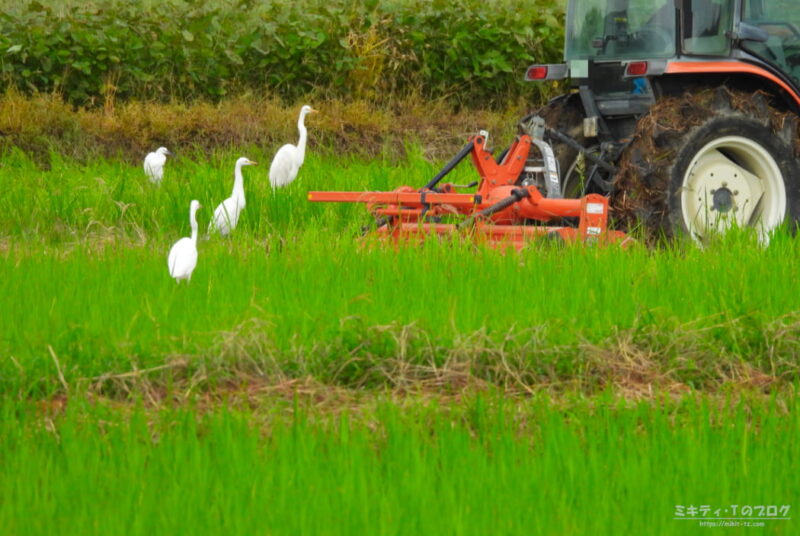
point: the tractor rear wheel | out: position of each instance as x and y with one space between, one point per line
705 163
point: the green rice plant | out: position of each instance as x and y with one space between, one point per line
67 200
93 331
486 466
296 291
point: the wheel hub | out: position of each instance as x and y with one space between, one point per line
723 200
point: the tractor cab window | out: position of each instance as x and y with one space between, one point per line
705 26
620 29
781 20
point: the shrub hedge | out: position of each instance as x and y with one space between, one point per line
465 51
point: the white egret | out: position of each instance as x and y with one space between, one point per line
154 164
290 157
226 215
182 258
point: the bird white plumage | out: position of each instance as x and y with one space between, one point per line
182 258
289 158
226 215
154 164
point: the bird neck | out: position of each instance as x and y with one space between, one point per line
301 144
238 183
193 221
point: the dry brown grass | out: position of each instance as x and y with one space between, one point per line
245 366
43 123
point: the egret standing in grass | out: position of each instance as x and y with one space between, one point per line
182 258
290 157
226 215
154 164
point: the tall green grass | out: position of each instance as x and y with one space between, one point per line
297 292
68 201
485 467
296 308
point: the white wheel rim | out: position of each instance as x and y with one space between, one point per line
733 182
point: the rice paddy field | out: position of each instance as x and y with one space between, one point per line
311 381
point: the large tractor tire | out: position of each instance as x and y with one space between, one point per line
702 164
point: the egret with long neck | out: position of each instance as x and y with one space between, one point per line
182 258
290 157
226 215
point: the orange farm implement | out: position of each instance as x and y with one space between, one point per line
507 209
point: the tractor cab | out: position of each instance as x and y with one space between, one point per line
623 55
611 42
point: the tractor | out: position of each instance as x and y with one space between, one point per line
681 119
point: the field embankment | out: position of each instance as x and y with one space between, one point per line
46 127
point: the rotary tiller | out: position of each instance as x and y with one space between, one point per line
507 208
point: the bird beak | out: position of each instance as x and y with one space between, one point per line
170 153
199 205
313 111
253 163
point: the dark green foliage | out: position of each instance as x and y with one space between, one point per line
468 51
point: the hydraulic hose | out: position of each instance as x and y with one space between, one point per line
578 147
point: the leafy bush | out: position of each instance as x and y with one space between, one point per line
468 51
